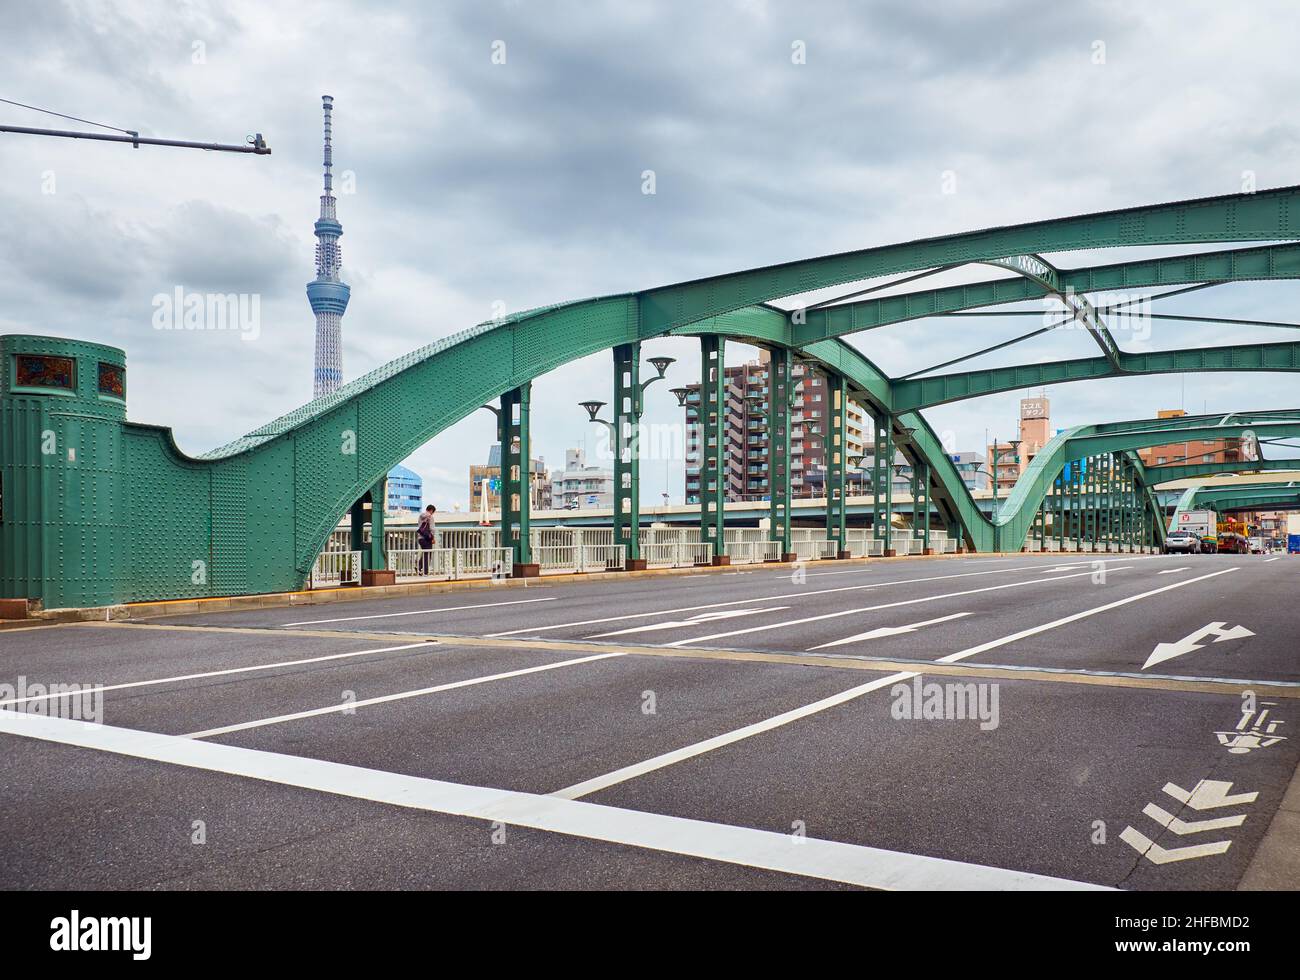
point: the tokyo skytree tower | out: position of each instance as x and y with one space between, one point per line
327 294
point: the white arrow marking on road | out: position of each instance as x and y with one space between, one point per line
1208 794
1170 571
699 620
1156 854
884 631
1167 651
1184 827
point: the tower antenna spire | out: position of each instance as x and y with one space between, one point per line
327 293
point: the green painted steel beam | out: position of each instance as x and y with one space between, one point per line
1170 472
1271 215
781 399
917 393
1221 266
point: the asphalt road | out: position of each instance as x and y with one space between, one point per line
743 729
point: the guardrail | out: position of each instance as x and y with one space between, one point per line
444 564
335 568
752 552
814 549
677 554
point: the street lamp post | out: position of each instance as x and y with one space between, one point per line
625 439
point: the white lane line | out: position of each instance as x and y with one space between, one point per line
1170 571
809 857
769 598
690 751
221 673
400 696
1267 560
727 738
882 631
417 612
700 620
886 605
1074 618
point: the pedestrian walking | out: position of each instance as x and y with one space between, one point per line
425 534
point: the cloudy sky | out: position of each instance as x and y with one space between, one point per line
474 183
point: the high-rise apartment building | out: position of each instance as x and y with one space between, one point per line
746 406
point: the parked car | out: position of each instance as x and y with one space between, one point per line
1184 542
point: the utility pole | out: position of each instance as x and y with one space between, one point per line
255 144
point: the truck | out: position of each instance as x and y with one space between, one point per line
1201 522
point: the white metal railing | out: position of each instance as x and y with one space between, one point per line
334 568
675 554
815 548
750 552
603 557
339 540
497 562
414 564
558 557
947 546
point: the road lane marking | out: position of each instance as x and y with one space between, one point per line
887 605
1170 571
809 857
1073 618
417 612
699 620
1184 827
1190 642
1267 560
350 706
220 673
609 779
884 631
769 598
1156 854
1209 794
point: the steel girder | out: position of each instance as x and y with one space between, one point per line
262 507
1265 216
1261 496
917 393
1170 472
1230 265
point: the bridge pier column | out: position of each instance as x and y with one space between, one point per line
836 461
516 479
778 440
374 569
713 471
627 453
923 478
882 480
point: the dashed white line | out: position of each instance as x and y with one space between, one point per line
220 673
1074 618
350 706
598 783
785 595
886 605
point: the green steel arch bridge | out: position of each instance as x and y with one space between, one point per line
95 510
